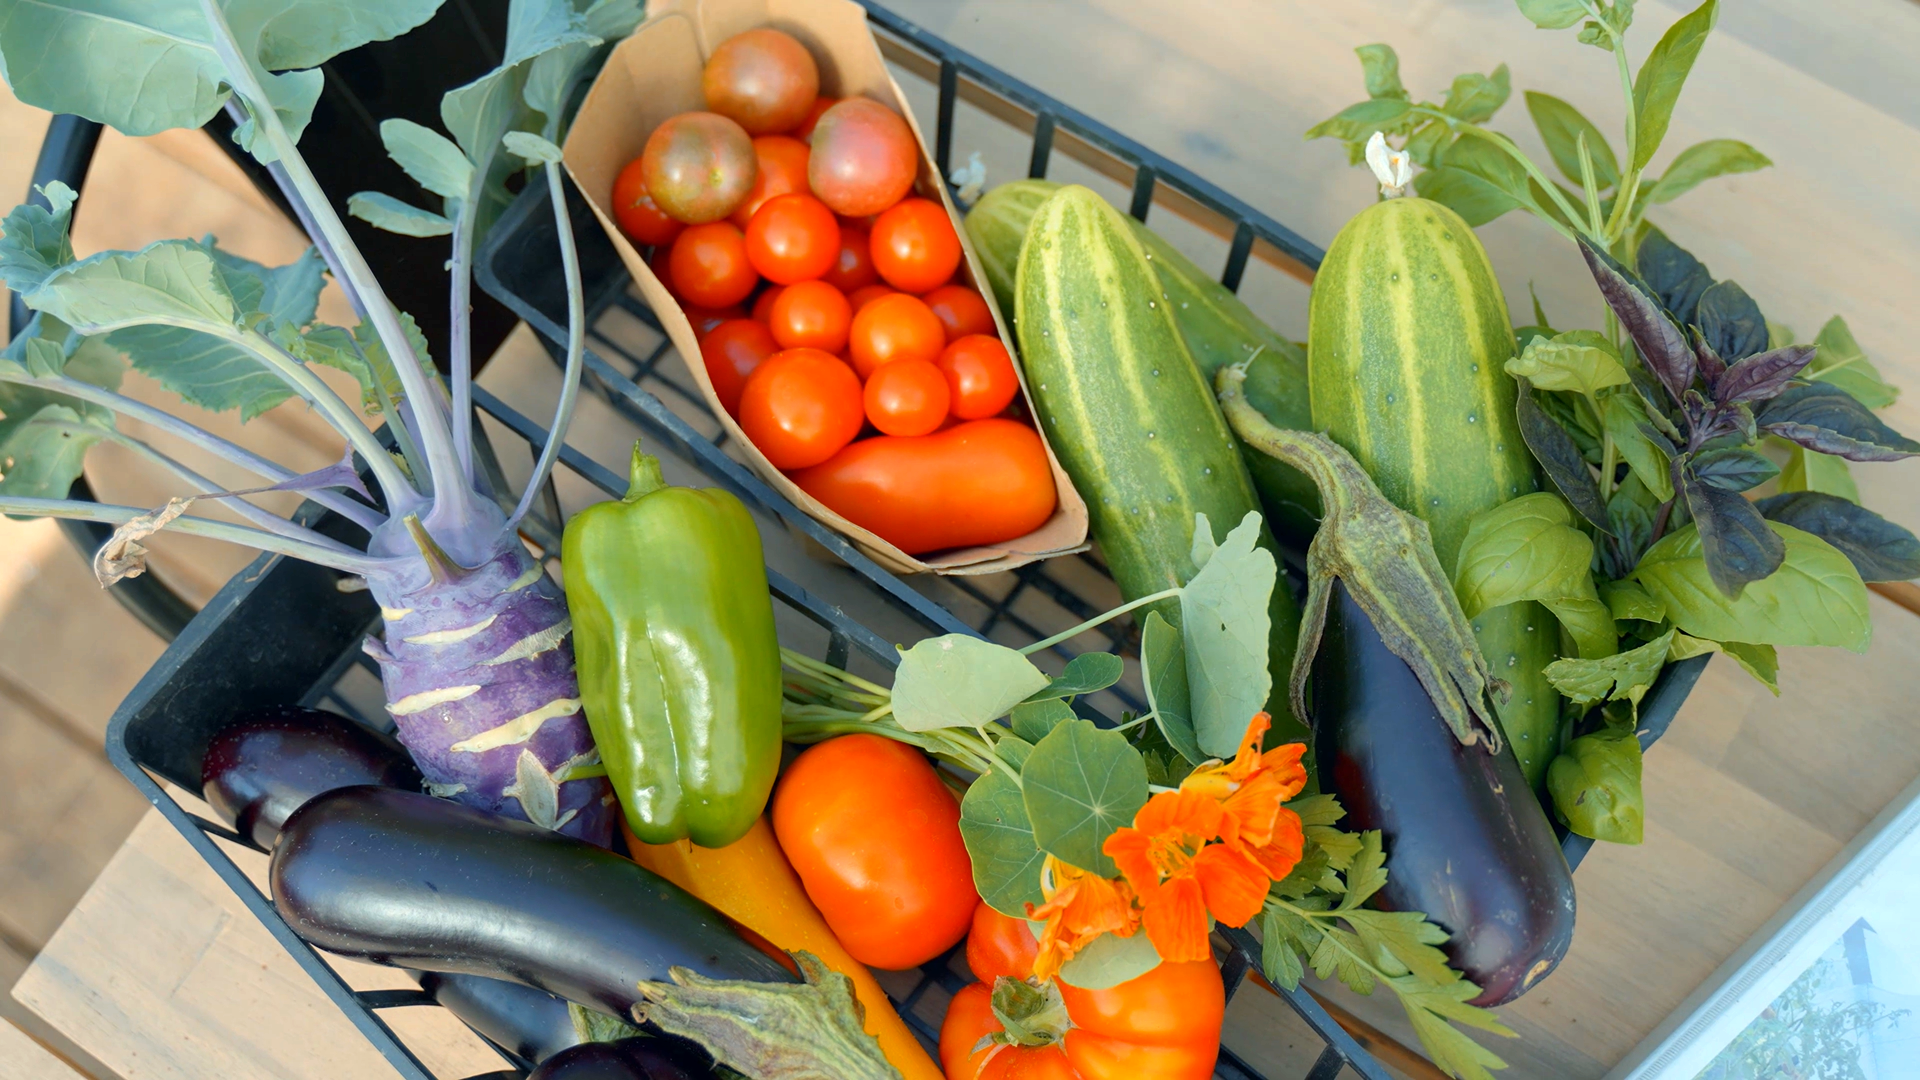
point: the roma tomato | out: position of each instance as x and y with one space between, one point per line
698 166
800 407
762 79
710 266
914 246
875 838
814 112
980 376
853 269
864 158
867 294
969 1018
732 351
639 216
980 482
793 238
961 311
897 327
782 162
810 314
907 397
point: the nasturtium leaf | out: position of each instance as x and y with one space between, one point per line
1843 363
1109 960
1381 67
1625 676
383 211
1085 674
1675 276
1223 627
1815 598
1879 549
1204 545
1082 783
1013 750
1732 468
958 680
1163 665
999 839
1031 720
430 158
36 240
1474 98
1631 600
1662 347
1657 87
1626 420
1595 784
1759 661
1580 361
1565 465
1731 322
1553 14
1810 470
1735 541
1357 123
1702 162
1825 417
1561 126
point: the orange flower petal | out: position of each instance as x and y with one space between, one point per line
1282 853
1176 921
1284 762
1128 848
1235 886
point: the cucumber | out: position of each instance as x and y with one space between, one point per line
1217 326
1130 416
1408 332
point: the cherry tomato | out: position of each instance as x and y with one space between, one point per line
800 407
732 351
961 311
999 945
782 162
814 113
853 269
864 158
763 307
980 374
867 294
981 482
793 238
710 265
810 314
897 327
762 79
698 167
639 216
660 261
914 246
907 397
706 320
875 838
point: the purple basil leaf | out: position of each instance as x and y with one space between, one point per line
1655 398
1731 321
1560 457
1674 275
1765 375
1711 366
1661 345
1878 548
1738 546
1733 469
1821 416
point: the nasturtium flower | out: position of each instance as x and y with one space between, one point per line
1080 906
1252 790
1180 877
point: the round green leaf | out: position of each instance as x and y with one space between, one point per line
958 680
1006 864
1081 784
1110 960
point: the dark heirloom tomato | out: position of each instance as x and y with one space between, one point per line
763 80
864 158
800 407
698 166
814 112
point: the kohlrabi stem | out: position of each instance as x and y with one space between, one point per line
401 494
1074 631
238 114
576 348
460 337
364 516
348 561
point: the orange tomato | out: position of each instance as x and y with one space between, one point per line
710 267
897 327
864 157
969 1017
980 375
762 79
800 407
999 945
814 112
793 238
875 838
867 294
732 351
638 215
961 311
914 246
907 397
810 314
981 482
853 269
783 171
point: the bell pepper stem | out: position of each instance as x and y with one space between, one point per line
644 476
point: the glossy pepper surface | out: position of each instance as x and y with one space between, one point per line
678 663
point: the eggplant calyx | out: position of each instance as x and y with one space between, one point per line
813 1030
1385 557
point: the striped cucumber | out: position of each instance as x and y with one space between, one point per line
1216 325
1129 414
1408 335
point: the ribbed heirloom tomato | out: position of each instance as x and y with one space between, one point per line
875 838
800 406
1164 1025
914 246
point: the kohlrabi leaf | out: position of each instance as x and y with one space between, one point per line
535 26
36 241
534 149
1527 549
1657 87
1087 673
1561 126
1579 361
44 436
1675 276
286 295
1843 363
1223 627
1735 541
999 839
1815 598
383 211
1824 417
1731 322
551 78
176 281
430 158
208 371
360 352
1163 667
1558 455
478 115
958 680
1080 784
1702 162
610 19
1879 549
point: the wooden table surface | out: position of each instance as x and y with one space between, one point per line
158 972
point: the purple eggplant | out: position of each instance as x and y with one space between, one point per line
258 771
627 1059
1466 841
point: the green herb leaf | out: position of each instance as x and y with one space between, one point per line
1473 197
1528 549
1110 960
1561 126
36 240
1031 720
1759 661
1357 123
1279 961
999 839
1879 549
383 211
1322 809
1628 600
1223 626
1451 1050
1561 459
1815 598
1402 942
1368 874
1163 666
1595 784
1843 363
1580 361
1553 14
1474 98
1340 848
1623 676
1087 673
958 680
430 158
1734 539
1657 87
1702 162
1810 470
1381 66
1082 783
1626 420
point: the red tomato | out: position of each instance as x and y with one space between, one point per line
854 267
864 158
980 374
875 838
783 170
800 407
762 79
897 327
814 113
999 945
660 261
698 166
867 294
810 314
914 246
731 351
710 266
907 397
706 320
793 238
969 1018
639 216
961 311
763 306
981 482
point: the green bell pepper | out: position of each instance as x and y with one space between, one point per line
678 663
